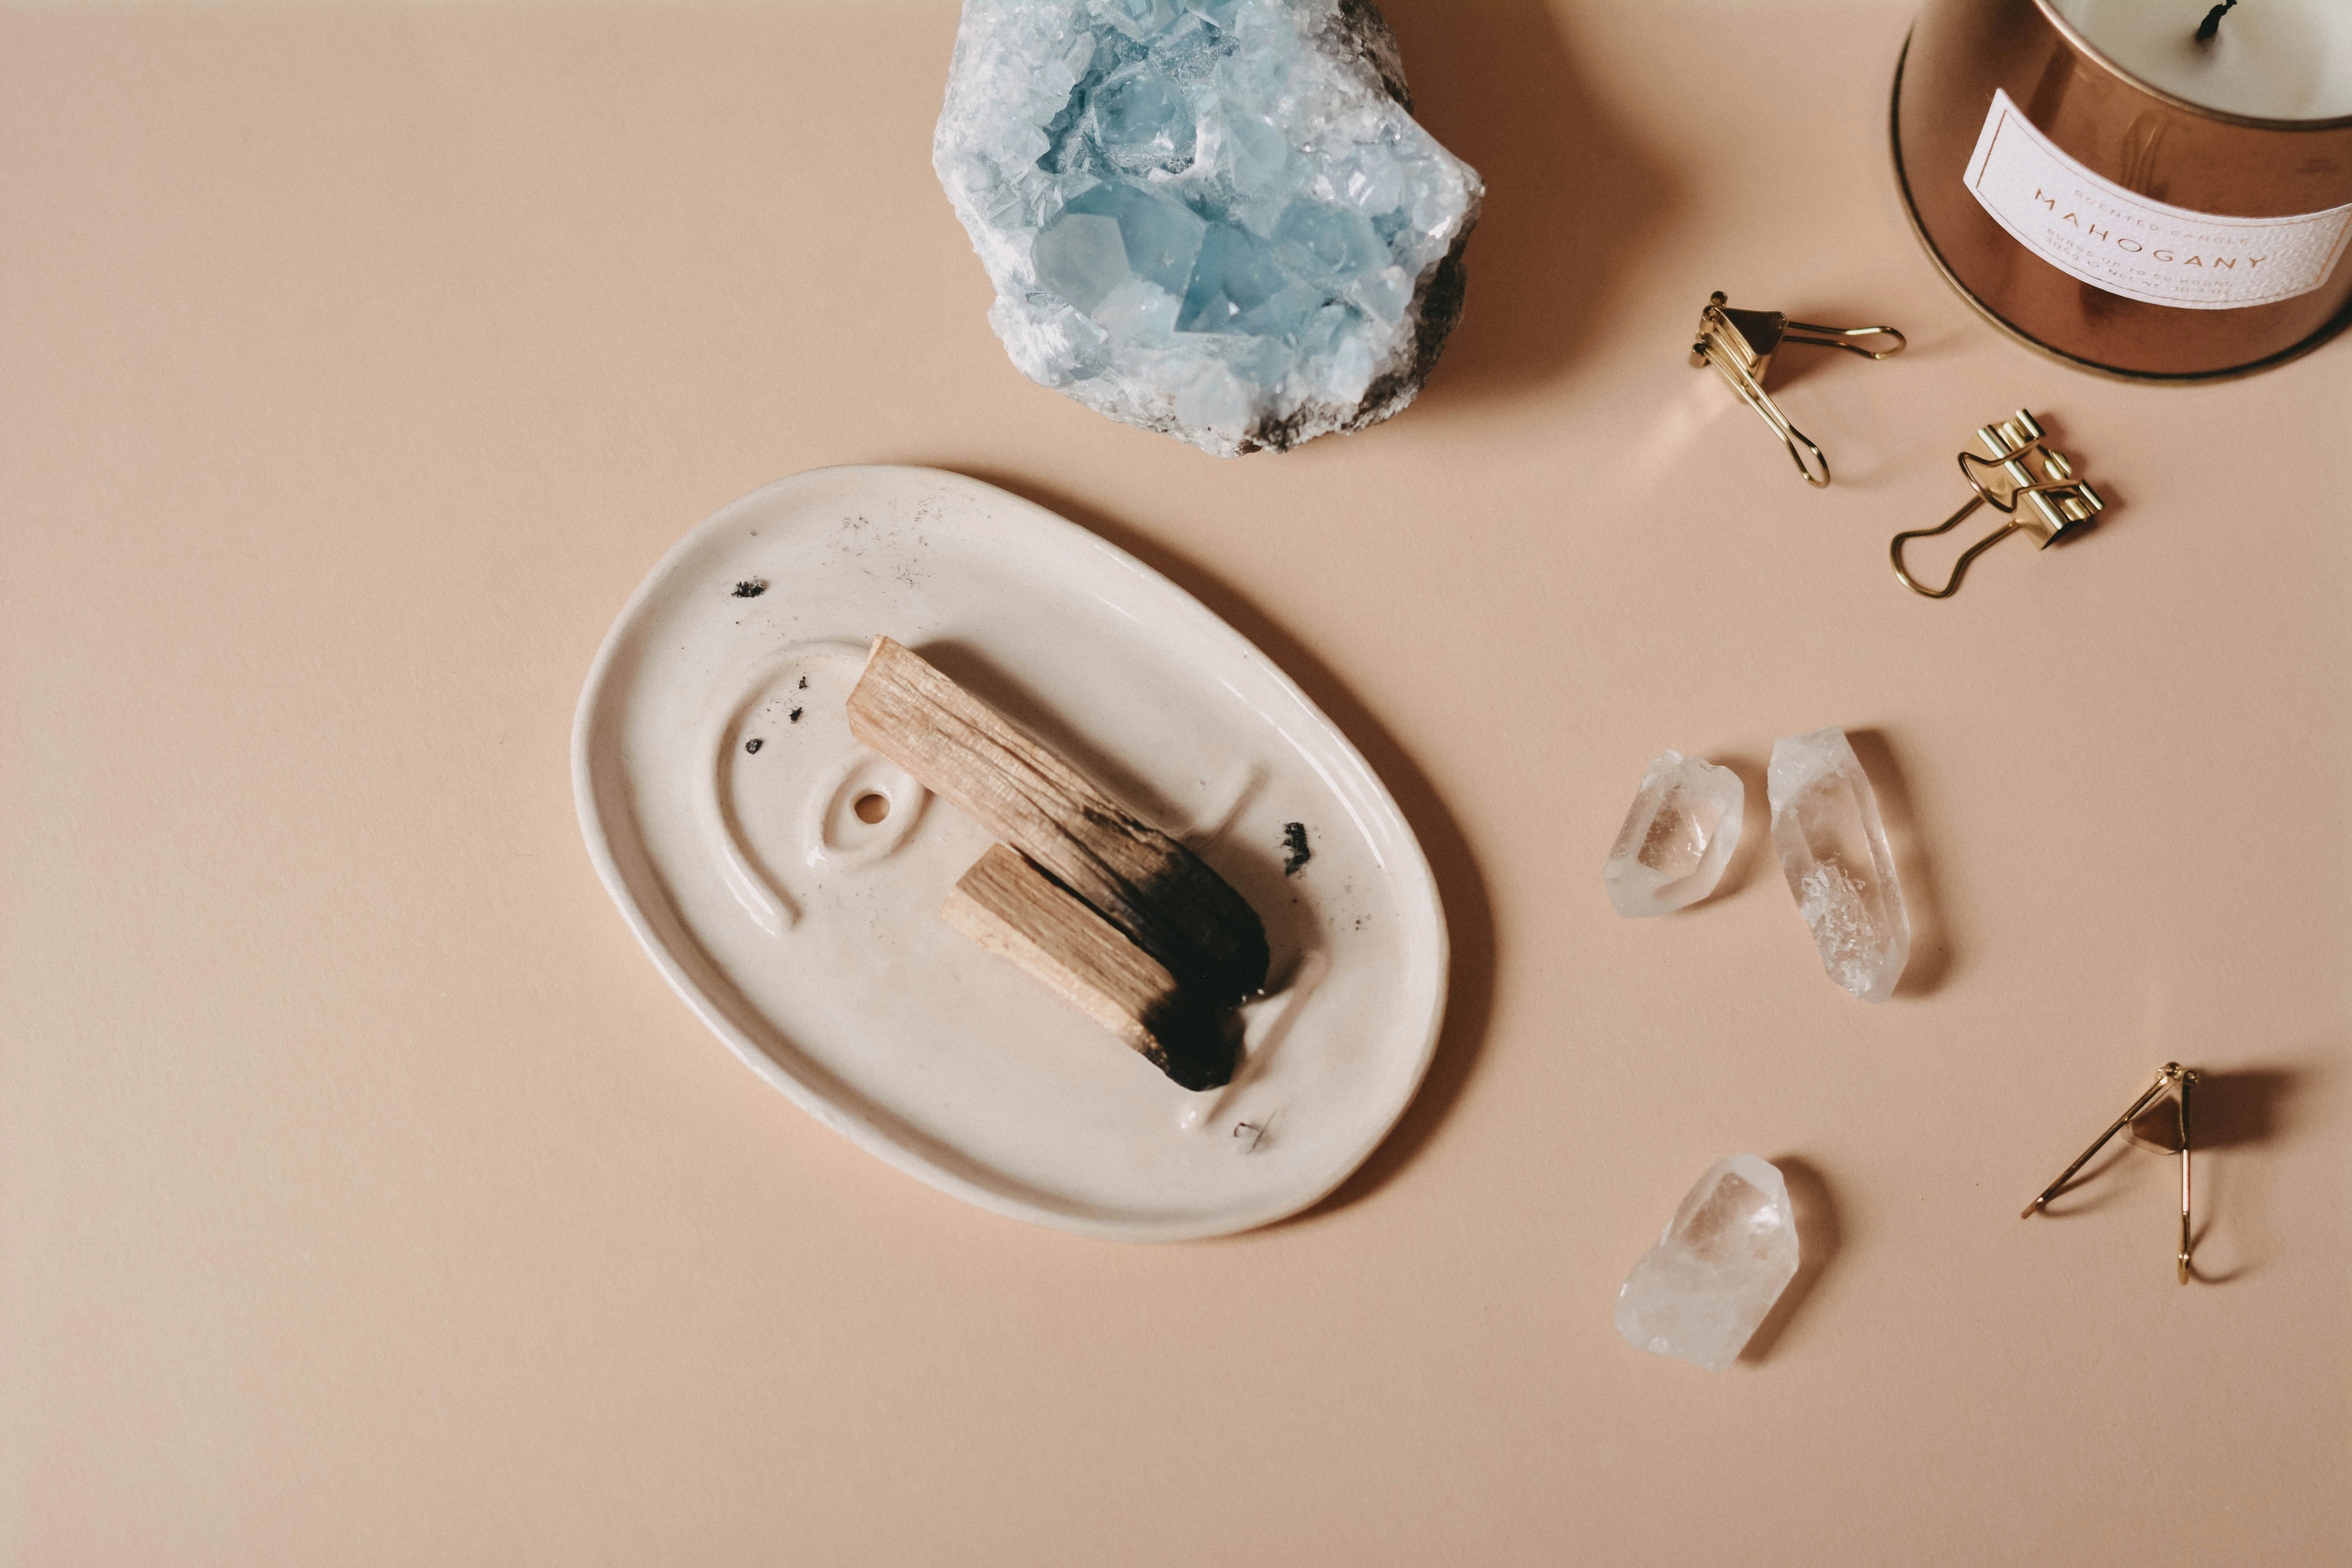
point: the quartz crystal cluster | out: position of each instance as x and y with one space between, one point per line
1715 1274
1216 218
1677 839
1834 850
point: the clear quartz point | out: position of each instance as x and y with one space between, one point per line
1677 839
1833 848
1715 1273
1215 218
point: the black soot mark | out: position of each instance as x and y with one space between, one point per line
1295 852
753 744
803 685
796 714
750 587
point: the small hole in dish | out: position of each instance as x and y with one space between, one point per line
872 809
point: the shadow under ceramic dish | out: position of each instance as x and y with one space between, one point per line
1461 885
1818 1241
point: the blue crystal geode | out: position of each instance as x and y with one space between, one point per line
1216 218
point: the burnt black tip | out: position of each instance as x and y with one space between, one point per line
1196 1050
1248 970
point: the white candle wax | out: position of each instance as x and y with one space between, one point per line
2274 59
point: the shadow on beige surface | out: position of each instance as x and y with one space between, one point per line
1931 938
1461 886
2232 1110
1818 1239
1499 83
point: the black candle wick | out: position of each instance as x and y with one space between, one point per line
2207 29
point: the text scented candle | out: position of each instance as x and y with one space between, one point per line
2152 188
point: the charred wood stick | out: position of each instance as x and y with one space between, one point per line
1162 896
1010 907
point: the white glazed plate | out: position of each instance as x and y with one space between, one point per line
719 791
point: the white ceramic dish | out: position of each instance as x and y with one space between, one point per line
718 788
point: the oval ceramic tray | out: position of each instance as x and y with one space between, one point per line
720 789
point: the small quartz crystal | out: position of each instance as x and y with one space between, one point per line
1833 848
1677 839
1718 1269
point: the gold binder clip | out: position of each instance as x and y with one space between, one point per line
2173 1073
2057 504
1740 344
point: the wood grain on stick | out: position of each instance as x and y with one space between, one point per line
1010 907
1161 895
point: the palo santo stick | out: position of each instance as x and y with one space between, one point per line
1010 907
1164 897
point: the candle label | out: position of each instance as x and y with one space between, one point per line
2088 227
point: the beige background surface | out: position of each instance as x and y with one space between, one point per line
366 1197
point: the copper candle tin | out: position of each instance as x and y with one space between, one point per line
2132 138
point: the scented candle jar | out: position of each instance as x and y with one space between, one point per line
2110 189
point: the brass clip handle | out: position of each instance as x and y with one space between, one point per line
1740 343
1842 338
1959 567
1752 392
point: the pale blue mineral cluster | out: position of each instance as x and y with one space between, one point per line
1216 218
